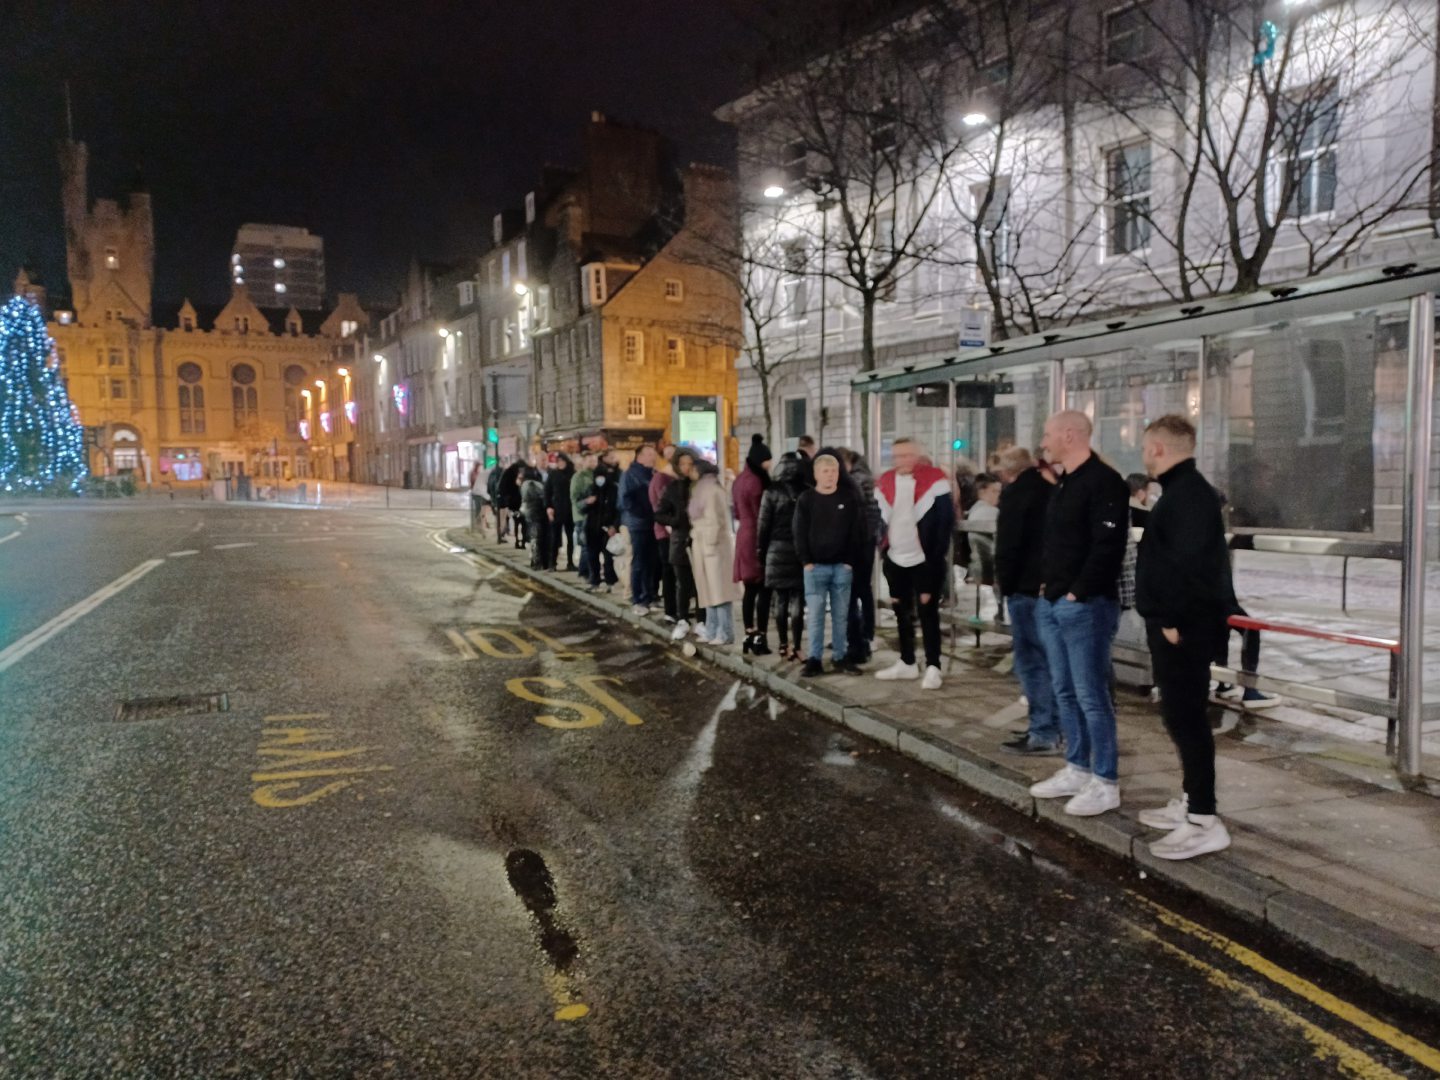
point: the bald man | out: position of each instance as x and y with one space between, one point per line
1086 526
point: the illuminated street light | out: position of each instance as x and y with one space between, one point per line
379 359
521 288
974 119
343 372
444 332
774 191
320 383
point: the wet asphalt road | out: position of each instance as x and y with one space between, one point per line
452 826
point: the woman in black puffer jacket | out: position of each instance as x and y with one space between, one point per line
776 535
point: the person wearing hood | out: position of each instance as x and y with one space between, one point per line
602 521
712 554
673 515
579 488
532 506
775 535
748 490
509 504
830 540
919 515
663 478
638 517
560 520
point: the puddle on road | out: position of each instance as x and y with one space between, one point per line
534 885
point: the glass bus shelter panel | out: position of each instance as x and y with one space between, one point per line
921 413
1304 424
1123 391
1430 741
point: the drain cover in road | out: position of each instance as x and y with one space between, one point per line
156 708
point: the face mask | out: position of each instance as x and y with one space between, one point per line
600 481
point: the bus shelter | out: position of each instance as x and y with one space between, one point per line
1314 403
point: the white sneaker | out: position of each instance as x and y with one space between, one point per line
640 610
681 629
702 636
1068 781
1192 838
898 670
931 680
1096 797
1167 817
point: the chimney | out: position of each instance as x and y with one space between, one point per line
711 209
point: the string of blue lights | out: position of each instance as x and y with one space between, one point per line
42 444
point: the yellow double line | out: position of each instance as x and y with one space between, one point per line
1327 1046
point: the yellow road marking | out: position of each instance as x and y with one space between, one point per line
482 640
1352 1061
1373 1026
278 717
458 640
566 1007
619 711
304 774
589 716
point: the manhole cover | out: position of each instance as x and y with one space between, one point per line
180 705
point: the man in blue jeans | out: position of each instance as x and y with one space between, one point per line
829 540
1086 527
1019 550
638 517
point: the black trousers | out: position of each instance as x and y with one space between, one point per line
862 608
756 605
668 583
538 534
906 585
1182 673
789 615
684 587
561 530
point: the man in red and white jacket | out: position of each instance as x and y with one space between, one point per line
919 517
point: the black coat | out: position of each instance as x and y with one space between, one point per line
776 529
1020 534
509 489
1087 525
604 512
557 492
1182 576
674 513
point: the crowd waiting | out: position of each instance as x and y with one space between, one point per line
1050 540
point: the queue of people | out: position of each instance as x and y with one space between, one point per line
1050 538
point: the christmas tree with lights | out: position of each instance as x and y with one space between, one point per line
42 445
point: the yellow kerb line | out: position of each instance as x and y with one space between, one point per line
1373 1026
1352 1061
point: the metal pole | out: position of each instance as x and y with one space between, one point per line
1057 385
950 420
872 402
1200 446
824 205
1419 408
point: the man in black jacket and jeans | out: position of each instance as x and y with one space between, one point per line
1019 547
1086 526
1184 591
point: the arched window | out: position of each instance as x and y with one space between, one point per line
243 395
295 378
191 397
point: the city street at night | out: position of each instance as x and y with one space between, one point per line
313 793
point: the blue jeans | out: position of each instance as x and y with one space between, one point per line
827 581
720 623
1033 670
644 564
1077 639
582 554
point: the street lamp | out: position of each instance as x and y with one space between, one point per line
774 191
444 332
975 119
521 288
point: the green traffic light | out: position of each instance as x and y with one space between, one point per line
958 444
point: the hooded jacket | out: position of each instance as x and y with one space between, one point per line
636 513
604 512
776 529
579 488
934 517
532 496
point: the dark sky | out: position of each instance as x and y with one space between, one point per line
389 129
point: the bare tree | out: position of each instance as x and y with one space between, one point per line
1276 131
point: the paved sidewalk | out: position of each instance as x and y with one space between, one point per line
1328 847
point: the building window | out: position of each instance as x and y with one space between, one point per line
529 207
112 258
293 325
348 327
797 257
116 359
1311 128
117 388
796 163
594 285
992 224
1128 198
1127 35
191 398
522 266
494 337
295 378
884 253
467 293
243 397
674 289
187 323
505 269
635 407
634 350
884 126
65 318
242 324
794 411
675 351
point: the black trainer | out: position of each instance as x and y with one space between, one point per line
811 669
1024 747
849 667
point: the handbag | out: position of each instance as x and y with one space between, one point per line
618 545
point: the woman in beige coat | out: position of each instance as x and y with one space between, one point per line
712 555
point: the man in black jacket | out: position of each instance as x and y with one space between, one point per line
1086 526
829 539
1184 591
559 514
1019 545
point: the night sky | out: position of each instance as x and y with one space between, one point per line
390 129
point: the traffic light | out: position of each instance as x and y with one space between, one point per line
958 444
491 461
492 435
